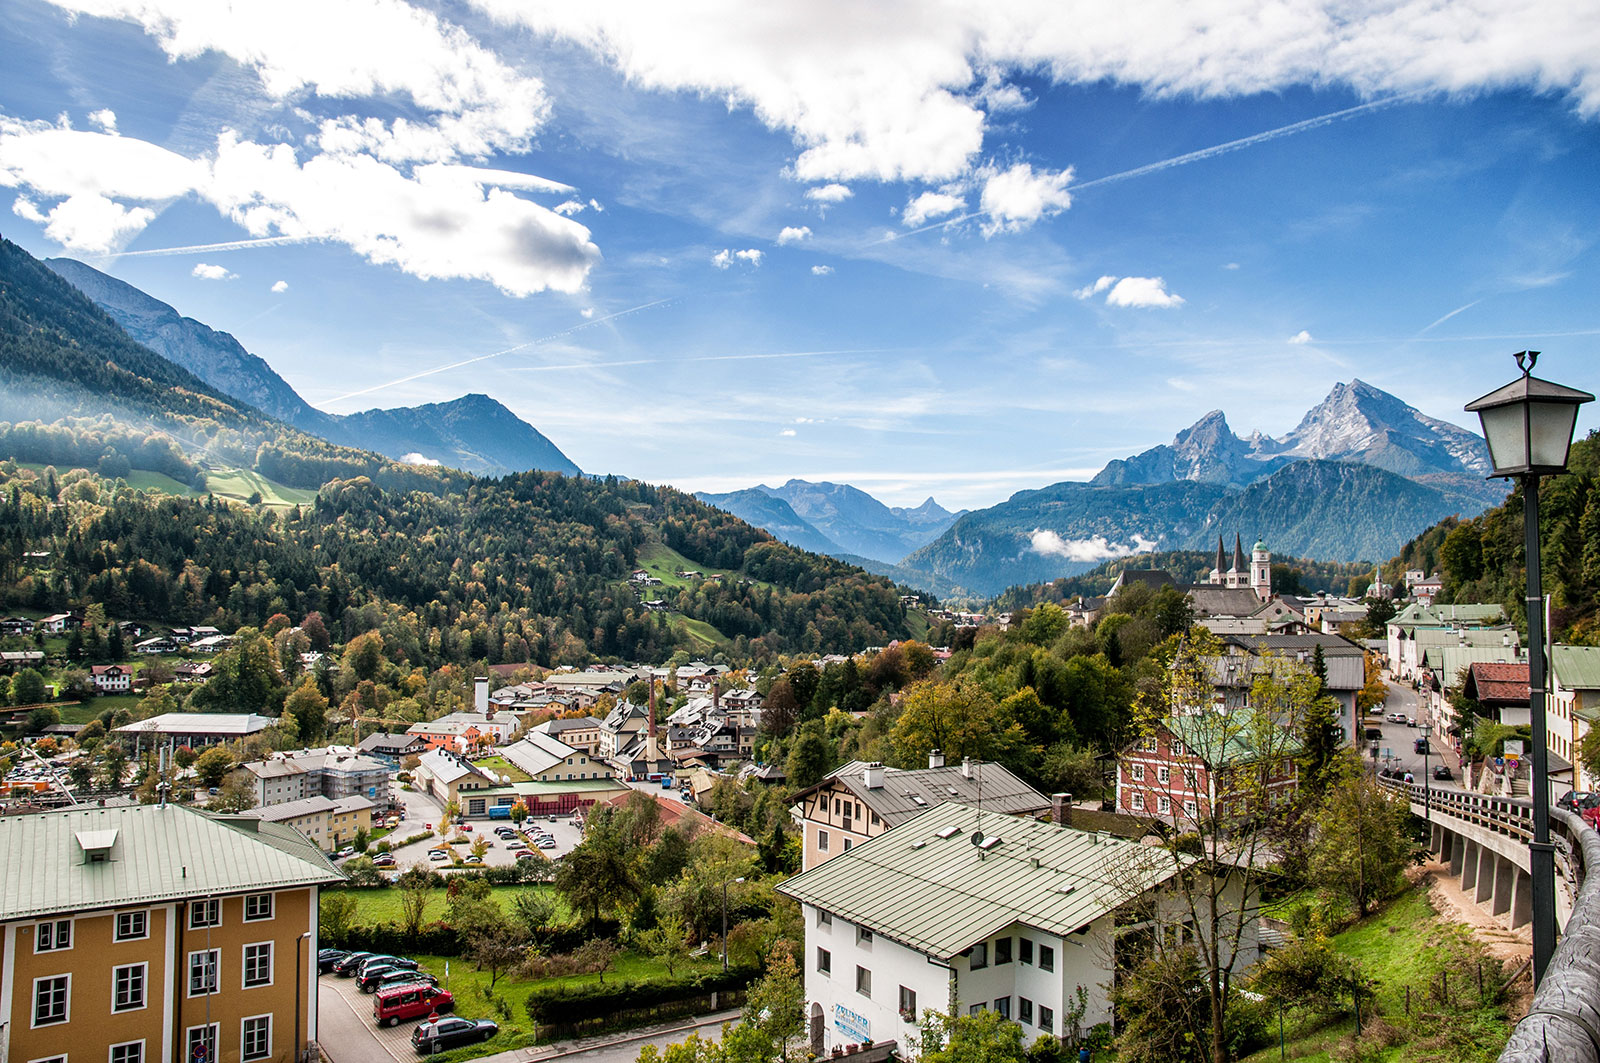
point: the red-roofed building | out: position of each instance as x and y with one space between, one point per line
1501 690
112 678
677 814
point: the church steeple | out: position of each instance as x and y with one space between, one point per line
1238 554
1217 569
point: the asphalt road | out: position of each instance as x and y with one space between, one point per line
1397 747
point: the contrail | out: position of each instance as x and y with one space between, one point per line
497 354
1193 156
231 245
695 358
1452 314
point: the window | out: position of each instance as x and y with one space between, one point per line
974 1009
1047 958
824 918
908 1004
863 936
203 972
1025 950
258 965
824 961
847 845
863 981
53 937
1002 950
1190 809
1163 775
1136 772
822 840
978 956
1138 801
256 1038
1163 804
1191 780
129 1052
1002 1007
203 914
1047 1019
1024 1010
202 1043
257 906
51 997
1147 744
1178 748
131 926
127 987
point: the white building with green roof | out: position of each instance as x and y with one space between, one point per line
965 909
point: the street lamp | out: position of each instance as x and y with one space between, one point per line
1528 425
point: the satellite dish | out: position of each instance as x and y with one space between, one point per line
977 837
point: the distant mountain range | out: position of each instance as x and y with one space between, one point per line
837 519
1361 474
474 432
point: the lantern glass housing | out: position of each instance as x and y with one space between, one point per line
1528 425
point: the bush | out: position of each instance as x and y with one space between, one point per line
435 939
569 1004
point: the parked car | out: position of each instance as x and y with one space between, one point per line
372 963
346 967
526 854
383 860
326 958
388 976
1583 802
415 1000
465 826
1420 745
438 854
546 842
1396 717
473 861
1411 721
347 851
1442 771
448 1033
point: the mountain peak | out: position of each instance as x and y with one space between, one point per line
1360 422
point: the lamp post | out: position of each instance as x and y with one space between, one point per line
1528 425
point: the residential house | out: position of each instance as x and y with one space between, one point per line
961 909
330 823
157 645
1574 703
1404 628
1343 661
332 771
191 672
545 758
1193 765
150 933
861 801
582 732
15 626
1501 691
13 660
111 678
618 729
446 776
391 749
211 644
60 623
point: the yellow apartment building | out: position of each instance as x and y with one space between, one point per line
157 934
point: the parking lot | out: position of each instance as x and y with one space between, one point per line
348 1033
562 829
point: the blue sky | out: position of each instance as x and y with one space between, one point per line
951 249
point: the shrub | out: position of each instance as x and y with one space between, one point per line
578 1003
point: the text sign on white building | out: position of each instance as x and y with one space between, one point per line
852 1024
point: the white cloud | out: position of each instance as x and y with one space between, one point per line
418 459
595 205
279 287
1143 292
900 90
105 118
1090 290
569 208
821 271
1300 337
587 312
207 272
1094 548
1015 198
931 205
1230 265
787 432
834 193
87 222
28 210
727 257
793 235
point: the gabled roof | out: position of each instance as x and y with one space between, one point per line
905 793
447 767
1223 601
539 752
160 853
188 723
941 894
1576 667
1223 738
389 743
1502 683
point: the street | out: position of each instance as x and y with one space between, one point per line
1397 747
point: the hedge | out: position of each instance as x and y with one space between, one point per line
435 939
573 1004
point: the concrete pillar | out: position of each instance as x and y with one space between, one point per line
1437 840
1469 863
1457 850
1522 900
1505 873
1485 879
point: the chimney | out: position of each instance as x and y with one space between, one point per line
935 758
716 695
652 707
966 767
872 776
1061 809
480 694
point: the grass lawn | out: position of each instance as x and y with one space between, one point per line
704 635
1404 946
240 484
374 906
144 480
502 766
470 988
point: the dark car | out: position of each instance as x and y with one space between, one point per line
373 981
1584 803
348 966
1442 771
326 958
450 1032
373 963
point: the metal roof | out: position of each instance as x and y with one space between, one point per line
1576 667
905 793
160 853
200 723
1450 660
926 885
